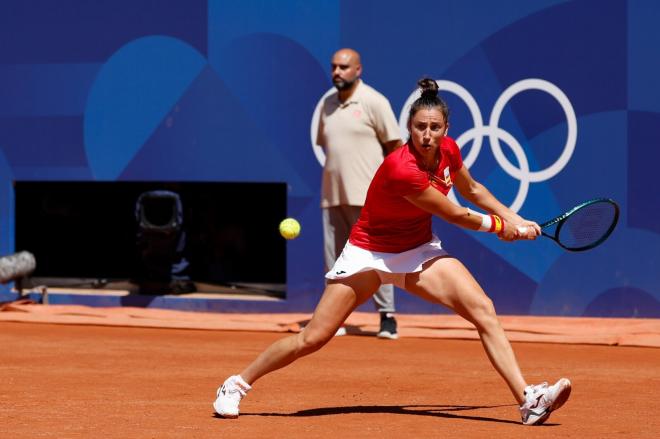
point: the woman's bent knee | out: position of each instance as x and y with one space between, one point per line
311 341
483 314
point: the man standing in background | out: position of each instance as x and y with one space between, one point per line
357 128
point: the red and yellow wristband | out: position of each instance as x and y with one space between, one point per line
497 224
491 224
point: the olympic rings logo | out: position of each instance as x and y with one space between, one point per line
479 131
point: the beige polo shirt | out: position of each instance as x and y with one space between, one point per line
351 134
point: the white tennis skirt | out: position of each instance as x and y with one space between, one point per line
391 267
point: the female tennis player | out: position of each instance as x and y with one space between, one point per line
392 242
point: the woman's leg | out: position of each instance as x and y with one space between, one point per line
339 299
446 281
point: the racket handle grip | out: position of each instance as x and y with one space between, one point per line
523 230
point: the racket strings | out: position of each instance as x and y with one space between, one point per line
587 226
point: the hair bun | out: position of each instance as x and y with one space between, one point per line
429 100
429 87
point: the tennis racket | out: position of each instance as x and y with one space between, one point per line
585 226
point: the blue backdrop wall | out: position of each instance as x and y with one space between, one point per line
210 90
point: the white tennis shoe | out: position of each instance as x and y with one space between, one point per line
229 396
541 400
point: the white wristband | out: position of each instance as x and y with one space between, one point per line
486 221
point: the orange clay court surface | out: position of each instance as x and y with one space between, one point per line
74 379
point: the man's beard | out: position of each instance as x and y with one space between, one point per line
341 84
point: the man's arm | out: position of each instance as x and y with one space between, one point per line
385 123
390 146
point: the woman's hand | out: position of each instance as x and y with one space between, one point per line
528 230
509 233
521 229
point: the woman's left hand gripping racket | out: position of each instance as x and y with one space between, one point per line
583 227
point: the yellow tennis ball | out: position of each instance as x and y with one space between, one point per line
289 228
